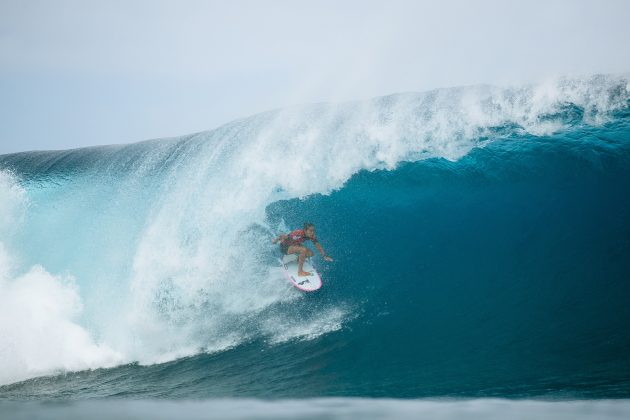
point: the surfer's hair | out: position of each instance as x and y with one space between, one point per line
308 225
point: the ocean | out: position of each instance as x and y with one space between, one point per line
481 245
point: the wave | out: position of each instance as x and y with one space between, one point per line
142 252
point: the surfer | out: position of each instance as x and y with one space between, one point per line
292 244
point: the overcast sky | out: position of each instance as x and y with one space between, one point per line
81 73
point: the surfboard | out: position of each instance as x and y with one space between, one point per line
305 283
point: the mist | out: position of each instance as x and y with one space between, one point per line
82 73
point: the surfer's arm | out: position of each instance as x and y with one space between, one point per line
280 238
321 251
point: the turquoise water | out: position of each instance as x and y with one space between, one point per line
481 240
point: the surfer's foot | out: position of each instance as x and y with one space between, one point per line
304 273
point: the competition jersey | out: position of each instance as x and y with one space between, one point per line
297 237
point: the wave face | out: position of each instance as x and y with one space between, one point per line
481 239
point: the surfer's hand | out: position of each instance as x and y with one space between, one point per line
327 258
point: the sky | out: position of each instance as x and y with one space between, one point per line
77 73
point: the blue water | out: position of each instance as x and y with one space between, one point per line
479 252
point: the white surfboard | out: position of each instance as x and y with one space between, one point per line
304 283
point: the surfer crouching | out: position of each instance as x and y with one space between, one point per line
292 244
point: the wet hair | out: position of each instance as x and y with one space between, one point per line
308 225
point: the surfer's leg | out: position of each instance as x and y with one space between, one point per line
294 249
302 252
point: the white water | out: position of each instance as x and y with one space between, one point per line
38 311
